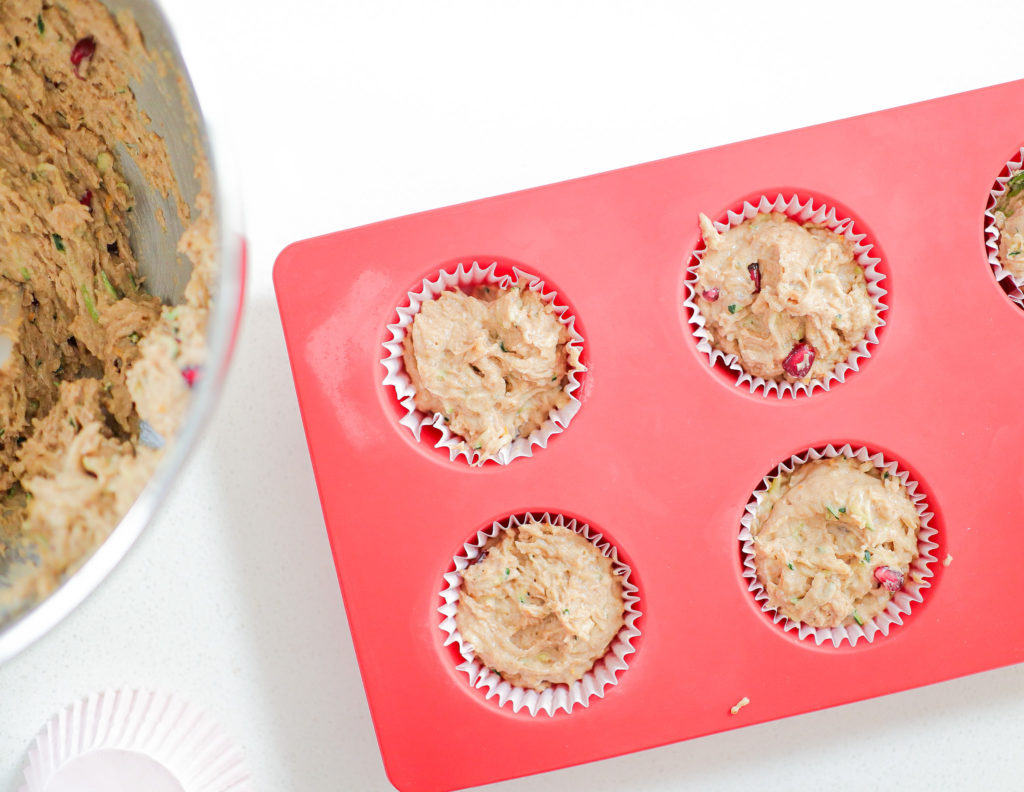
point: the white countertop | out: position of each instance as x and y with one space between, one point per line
343 113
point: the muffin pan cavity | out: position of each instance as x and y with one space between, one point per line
919 575
804 209
560 697
1001 193
432 429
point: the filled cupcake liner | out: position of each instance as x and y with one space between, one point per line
802 211
113 734
1011 284
556 697
415 420
917 579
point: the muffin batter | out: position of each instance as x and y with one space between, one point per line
788 300
494 364
1009 216
91 353
833 541
540 606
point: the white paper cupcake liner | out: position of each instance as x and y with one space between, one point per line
557 697
1011 285
134 740
802 211
415 420
899 605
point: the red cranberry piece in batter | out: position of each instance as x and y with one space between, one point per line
755 275
891 578
799 361
83 50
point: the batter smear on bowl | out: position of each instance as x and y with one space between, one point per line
788 300
833 541
91 353
494 363
541 606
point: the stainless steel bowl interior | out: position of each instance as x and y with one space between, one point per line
168 97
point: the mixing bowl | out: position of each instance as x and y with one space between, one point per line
164 91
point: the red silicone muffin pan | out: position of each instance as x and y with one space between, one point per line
665 450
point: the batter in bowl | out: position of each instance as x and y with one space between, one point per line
92 353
